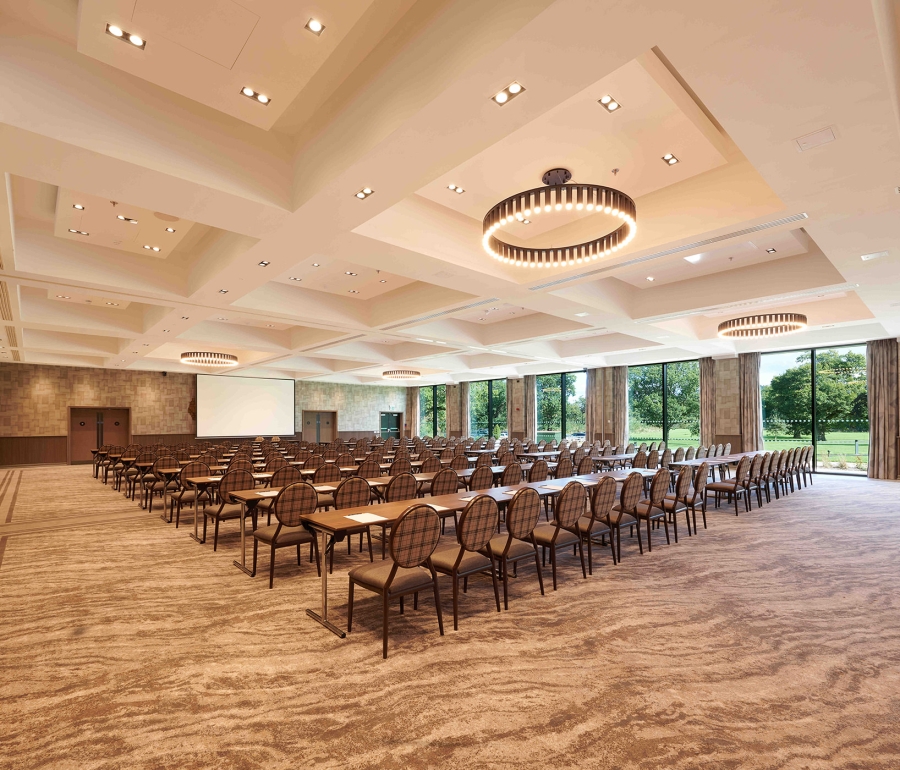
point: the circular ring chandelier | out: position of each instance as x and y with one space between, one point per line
560 196
764 325
401 374
211 360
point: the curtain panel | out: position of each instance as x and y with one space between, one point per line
884 424
751 403
593 411
464 409
530 407
707 401
619 406
412 411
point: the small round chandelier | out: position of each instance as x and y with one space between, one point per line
212 360
764 325
401 374
557 196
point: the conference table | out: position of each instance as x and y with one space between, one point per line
716 461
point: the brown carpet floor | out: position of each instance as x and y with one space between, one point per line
771 640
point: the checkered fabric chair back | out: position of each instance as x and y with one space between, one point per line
570 504
727 449
642 447
327 473
207 458
756 466
192 470
666 460
331 454
352 493
447 454
402 487
565 468
481 478
652 446
586 466
507 458
483 459
690 453
478 523
240 464
653 459
400 466
743 469
146 457
369 469
460 463
700 479
314 461
659 486
445 483
607 451
431 465
182 454
683 483
295 500
164 461
640 460
629 449
539 471
274 462
414 536
523 512
345 459
512 474
679 454
603 497
233 481
286 475
631 492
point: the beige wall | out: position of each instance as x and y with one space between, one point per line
358 406
728 397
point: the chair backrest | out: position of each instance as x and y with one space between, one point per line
327 473
275 462
345 459
678 456
164 461
653 459
539 471
399 466
666 460
445 483
523 512
506 458
402 487
570 505
460 462
233 481
564 468
579 454
659 486
702 452
353 492
314 461
207 458
683 483
642 447
369 469
414 536
607 451
652 446
182 454
701 475
483 459
477 523
192 470
585 466
331 454
481 478
727 449
756 467
295 500
689 453
631 493
603 497
240 464
459 449
512 474
629 449
447 453
720 450
743 469
640 460
431 465
285 475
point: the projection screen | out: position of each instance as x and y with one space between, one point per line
244 406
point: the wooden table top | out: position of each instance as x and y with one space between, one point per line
720 460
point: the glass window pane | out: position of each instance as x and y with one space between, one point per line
576 404
498 407
549 407
842 413
440 397
645 403
683 403
478 408
425 414
786 383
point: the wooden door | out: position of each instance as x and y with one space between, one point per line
84 434
116 430
327 427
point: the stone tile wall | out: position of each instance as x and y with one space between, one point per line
358 406
728 397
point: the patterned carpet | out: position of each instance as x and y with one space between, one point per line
771 640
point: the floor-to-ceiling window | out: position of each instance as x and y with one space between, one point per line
561 404
818 397
664 403
487 408
433 410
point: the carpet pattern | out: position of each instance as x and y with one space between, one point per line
771 640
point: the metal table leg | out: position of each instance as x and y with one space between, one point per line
323 616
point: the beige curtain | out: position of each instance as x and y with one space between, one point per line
751 403
707 401
619 406
464 408
531 407
594 404
882 373
412 412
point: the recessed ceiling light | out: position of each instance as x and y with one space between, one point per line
874 255
582 315
222 319
347 272
127 219
424 339
526 221
113 304
364 193
295 279
770 251
165 331
78 232
669 159
382 281
170 230
126 37
62 296
315 264
270 326
353 291
185 318
146 344
694 258
609 103
509 93
78 206
256 96
151 248
315 26
223 291
263 263
650 278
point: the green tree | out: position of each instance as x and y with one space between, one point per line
479 406
683 396
645 397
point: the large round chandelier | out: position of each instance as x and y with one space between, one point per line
401 374
558 196
212 360
764 325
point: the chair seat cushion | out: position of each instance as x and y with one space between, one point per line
517 549
443 560
626 519
673 506
543 534
644 509
599 527
722 486
375 574
225 512
326 499
287 536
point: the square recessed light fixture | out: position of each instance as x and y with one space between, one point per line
315 264
874 255
146 344
263 263
582 315
185 318
362 195
507 94
113 304
609 103
669 159
456 188
353 291
165 331
170 230
78 232
222 319
63 296
78 206
126 37
315 26
382 281
347 272
770 251
127 219
694 258
650 278
151 248
255 95
294 279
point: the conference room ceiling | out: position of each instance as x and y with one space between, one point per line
265 251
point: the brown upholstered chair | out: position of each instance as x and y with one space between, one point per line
735 488
522 514
228 507
289 474
585 466
564 468
186 493
624 513
595 525
354 492
460 462
652 509
562 532
472 553
414 537
512 474
399 466
292 503
446 483
329 473
481 478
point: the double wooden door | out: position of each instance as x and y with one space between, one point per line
92 427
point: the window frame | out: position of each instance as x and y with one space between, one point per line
434 408
665 392
562 400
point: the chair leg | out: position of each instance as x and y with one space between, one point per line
437 600
537 563
271 565
553 564
216 536
384 626
350 608
496 588
581 555
455 602
649 541
255 549
666 527
315 544
640 543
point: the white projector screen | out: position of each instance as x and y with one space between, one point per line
244 406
